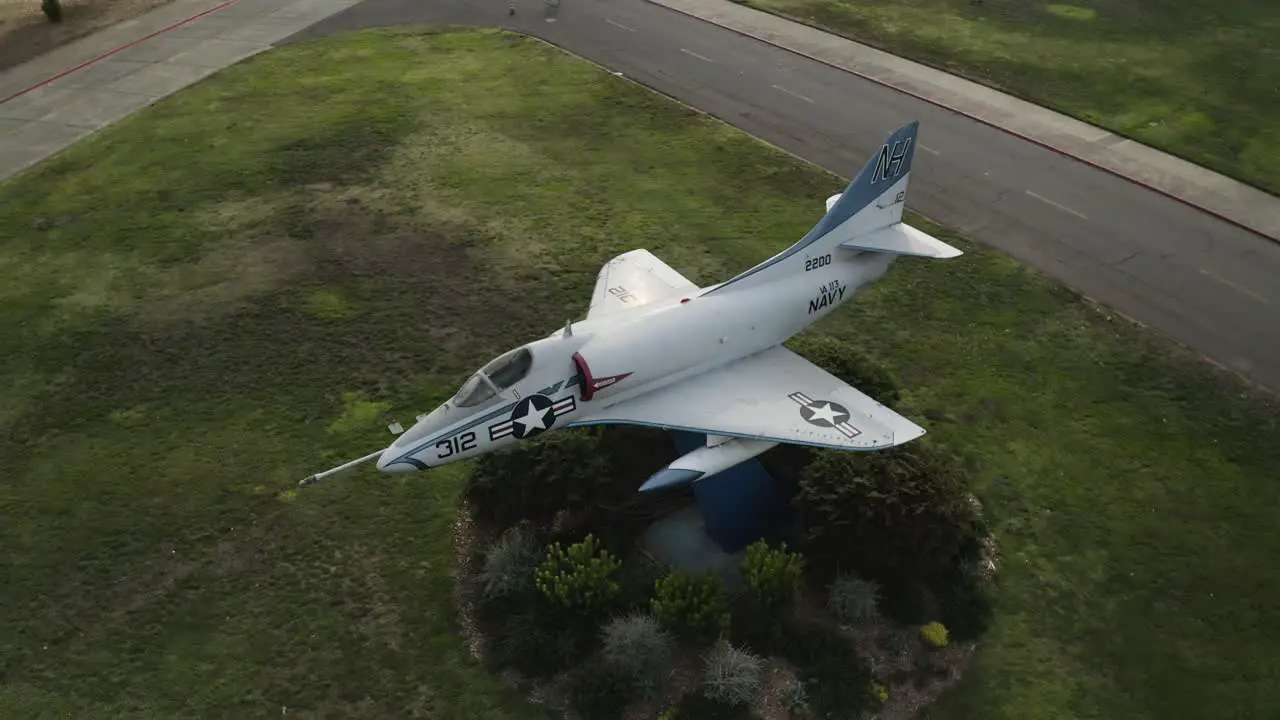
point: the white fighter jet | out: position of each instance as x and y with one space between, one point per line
657 350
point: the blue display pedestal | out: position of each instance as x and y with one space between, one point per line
741 504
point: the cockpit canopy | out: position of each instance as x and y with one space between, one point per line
500 374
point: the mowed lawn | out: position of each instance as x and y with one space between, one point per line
1198 78
231 290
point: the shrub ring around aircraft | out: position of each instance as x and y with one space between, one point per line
658 351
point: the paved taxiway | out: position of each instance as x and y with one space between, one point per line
1207 284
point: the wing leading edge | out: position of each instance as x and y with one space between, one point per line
773 395
633 279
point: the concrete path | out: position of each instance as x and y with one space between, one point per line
59 98
1217 194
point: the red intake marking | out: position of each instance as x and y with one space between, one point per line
591 385
605 382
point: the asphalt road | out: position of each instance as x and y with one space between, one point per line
1201 281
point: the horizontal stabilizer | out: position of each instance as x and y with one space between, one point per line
902 239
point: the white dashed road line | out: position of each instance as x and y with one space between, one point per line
779 88
694 54
1234 286
1063 208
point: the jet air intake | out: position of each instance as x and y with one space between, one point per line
705 462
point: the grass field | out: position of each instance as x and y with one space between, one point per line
225 292
1197 78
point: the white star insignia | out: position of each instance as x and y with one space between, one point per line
825 412
533 418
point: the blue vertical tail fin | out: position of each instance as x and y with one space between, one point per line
873 201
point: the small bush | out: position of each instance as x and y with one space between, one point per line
694 606
898 646
732 676
835 676
795 698
761 632
599 693
525 642
853 599
900 516
772 576
935 635
574 638
879 693
639 572
535 480
509 564
580 578
639 649
52 9
964 604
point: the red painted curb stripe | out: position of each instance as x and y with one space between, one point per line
988 123
87 63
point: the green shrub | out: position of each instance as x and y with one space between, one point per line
535 480
879 692
795 697
573 638
835 677
639 649
900 516
580 578
750 626
692 605
898 646
640 571
853 599
935 635
599 693
772 576
964 603
526 642
509 564
732 676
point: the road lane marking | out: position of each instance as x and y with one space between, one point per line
700 57
1063 208
617 24
927 149
779 88
1234 286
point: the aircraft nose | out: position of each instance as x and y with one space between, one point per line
399 457
394 459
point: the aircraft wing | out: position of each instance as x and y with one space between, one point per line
772 395
633 279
